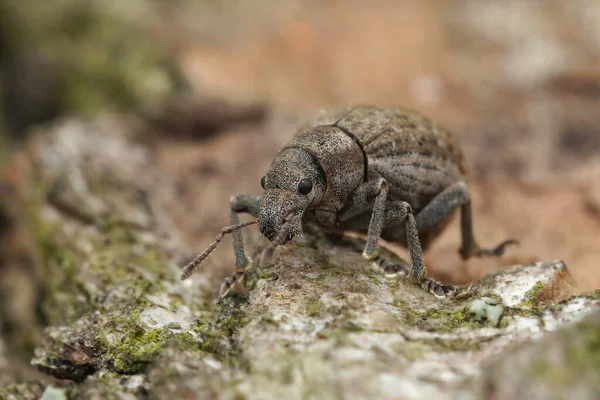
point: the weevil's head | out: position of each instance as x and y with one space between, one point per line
294 183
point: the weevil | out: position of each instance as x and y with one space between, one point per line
391 173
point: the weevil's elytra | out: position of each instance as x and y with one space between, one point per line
391 173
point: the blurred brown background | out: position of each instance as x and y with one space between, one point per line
219 86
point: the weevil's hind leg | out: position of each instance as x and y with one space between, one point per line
442 206
239 204
469 247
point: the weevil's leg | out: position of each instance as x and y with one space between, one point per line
469 247
400 211
242 203
416 253
397 211
391 269
442 205
361 200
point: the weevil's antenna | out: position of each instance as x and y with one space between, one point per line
268 251
188 269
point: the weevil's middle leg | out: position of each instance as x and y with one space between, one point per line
239 204
416 256
399 211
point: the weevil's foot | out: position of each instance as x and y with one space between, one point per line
227 286
396 270
391 270
437 289
496 251
491 252
223 292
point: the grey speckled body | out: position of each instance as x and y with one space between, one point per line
389 172
418 160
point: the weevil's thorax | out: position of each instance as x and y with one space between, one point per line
340 159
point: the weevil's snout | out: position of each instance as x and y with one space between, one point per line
269 227
272 228
276 205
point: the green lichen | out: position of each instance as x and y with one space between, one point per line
231 324
208 334
313 306
268 319
65 289
252 277
532 295
411 351
452 318
444 318
585 351
531 306
265 274
339 329
101 53
215 332
129 346
376 276
573 358
411 316
110 264
460 317
595 295
351 326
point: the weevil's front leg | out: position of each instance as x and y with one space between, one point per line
373 195
440 208
362 200
242 203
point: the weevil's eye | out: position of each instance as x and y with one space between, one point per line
263 181
304 186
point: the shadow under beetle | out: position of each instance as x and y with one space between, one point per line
389 172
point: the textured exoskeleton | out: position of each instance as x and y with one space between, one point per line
391 173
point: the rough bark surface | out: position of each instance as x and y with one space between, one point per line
318 320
